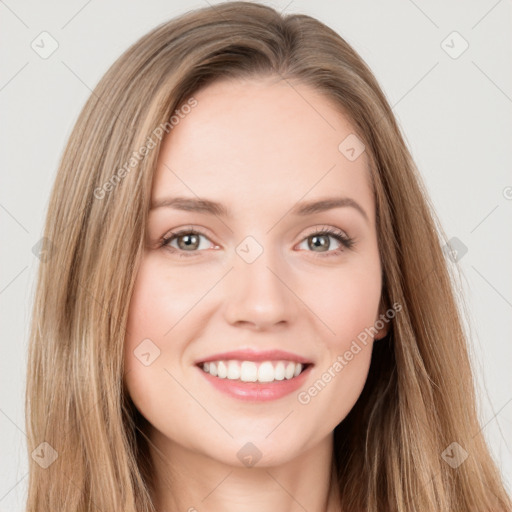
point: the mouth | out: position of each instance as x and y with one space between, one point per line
253 371
255 376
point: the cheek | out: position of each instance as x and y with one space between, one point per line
160 324
335 388
347 305
152 314
159 302
345 302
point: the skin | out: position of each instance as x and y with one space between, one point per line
259 147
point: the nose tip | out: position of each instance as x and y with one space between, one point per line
257 296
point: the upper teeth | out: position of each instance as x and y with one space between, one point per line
250 371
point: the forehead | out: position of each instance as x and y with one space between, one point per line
258 142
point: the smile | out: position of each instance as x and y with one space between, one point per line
252 371
255 381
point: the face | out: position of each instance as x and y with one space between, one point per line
260 286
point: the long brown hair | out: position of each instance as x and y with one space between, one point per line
391 451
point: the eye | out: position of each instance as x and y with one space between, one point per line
320 240
188 240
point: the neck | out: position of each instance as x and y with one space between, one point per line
185 480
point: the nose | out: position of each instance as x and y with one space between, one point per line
259 295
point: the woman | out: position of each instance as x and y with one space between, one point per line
189 350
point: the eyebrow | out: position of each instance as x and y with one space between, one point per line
302 209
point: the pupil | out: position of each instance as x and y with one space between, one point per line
323 241
191 241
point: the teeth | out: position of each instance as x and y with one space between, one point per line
266 372
279 371
290 371
249 371
222 370
233 370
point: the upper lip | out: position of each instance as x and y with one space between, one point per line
255 355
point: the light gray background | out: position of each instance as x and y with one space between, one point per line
455 114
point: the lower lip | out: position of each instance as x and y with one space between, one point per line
257 391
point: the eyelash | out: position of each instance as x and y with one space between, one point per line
346 241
